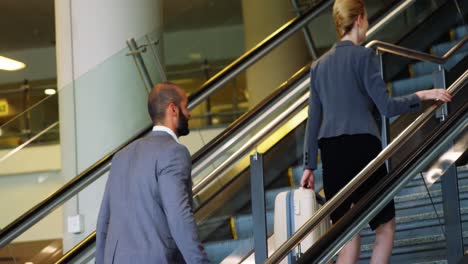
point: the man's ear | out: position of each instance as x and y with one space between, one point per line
172 109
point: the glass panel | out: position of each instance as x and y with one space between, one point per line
227 227
30 168
462 170
51 237
407 20
211 38
322 29
236 143
28 176
26 125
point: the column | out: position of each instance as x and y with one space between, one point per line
102 102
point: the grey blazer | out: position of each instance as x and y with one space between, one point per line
346 85
146 213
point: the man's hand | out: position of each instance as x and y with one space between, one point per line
308 179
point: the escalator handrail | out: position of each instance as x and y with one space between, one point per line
36 213
415 54
362 176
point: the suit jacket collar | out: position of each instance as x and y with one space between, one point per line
166 130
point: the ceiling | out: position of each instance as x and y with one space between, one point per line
26 24
30 23
189 14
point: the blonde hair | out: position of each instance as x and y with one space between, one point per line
345 13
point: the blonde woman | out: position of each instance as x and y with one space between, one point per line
345 87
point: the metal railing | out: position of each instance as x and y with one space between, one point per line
344 193
385 47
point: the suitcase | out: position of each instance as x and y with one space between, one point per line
292 209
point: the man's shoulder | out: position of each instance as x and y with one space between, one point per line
154 144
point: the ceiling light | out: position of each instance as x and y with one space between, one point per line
7 64
50 91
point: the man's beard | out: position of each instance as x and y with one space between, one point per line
182 126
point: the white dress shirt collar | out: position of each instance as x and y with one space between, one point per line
167 130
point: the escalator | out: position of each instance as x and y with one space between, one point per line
233 221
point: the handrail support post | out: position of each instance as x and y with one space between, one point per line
257 186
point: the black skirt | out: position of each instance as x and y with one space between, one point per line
343 157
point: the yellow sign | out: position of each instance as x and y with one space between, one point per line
4 109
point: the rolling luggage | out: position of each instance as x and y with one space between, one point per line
292 209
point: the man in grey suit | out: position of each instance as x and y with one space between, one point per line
146 214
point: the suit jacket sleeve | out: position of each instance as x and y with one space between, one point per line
312 129
103 221
174 181
375 87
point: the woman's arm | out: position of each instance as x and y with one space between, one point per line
391 106
312 129
375 87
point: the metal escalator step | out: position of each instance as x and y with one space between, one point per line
243 225
217 251
458 33
413 250
442 48
411 85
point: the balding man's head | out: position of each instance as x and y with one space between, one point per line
160 97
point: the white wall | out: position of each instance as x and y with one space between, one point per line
30 159
26 178
20 192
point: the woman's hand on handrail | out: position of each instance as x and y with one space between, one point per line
435 94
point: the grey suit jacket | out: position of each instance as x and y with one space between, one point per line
345 86
146 213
